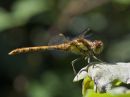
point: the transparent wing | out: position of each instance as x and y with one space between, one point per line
86 33
58 39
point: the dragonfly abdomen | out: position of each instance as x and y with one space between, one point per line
27 49
38 48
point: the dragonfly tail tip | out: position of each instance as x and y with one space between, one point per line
11 53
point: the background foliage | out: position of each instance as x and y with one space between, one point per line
35 22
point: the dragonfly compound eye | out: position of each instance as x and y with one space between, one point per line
97 46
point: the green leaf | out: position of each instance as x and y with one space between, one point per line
91 93
5 20
23 10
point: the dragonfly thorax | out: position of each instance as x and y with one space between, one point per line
78 47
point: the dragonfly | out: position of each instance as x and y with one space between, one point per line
79 45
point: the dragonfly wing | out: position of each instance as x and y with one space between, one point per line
58 39
86 33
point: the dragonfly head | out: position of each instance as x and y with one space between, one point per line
97 46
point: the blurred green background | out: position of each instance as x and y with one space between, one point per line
35 22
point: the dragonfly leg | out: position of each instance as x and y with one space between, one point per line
73 62
87 58
97 58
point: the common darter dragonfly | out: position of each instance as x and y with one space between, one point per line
79 45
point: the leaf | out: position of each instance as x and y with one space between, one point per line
5 20
24 9
87 84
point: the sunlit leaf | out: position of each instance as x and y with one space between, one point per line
23 10
5 20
